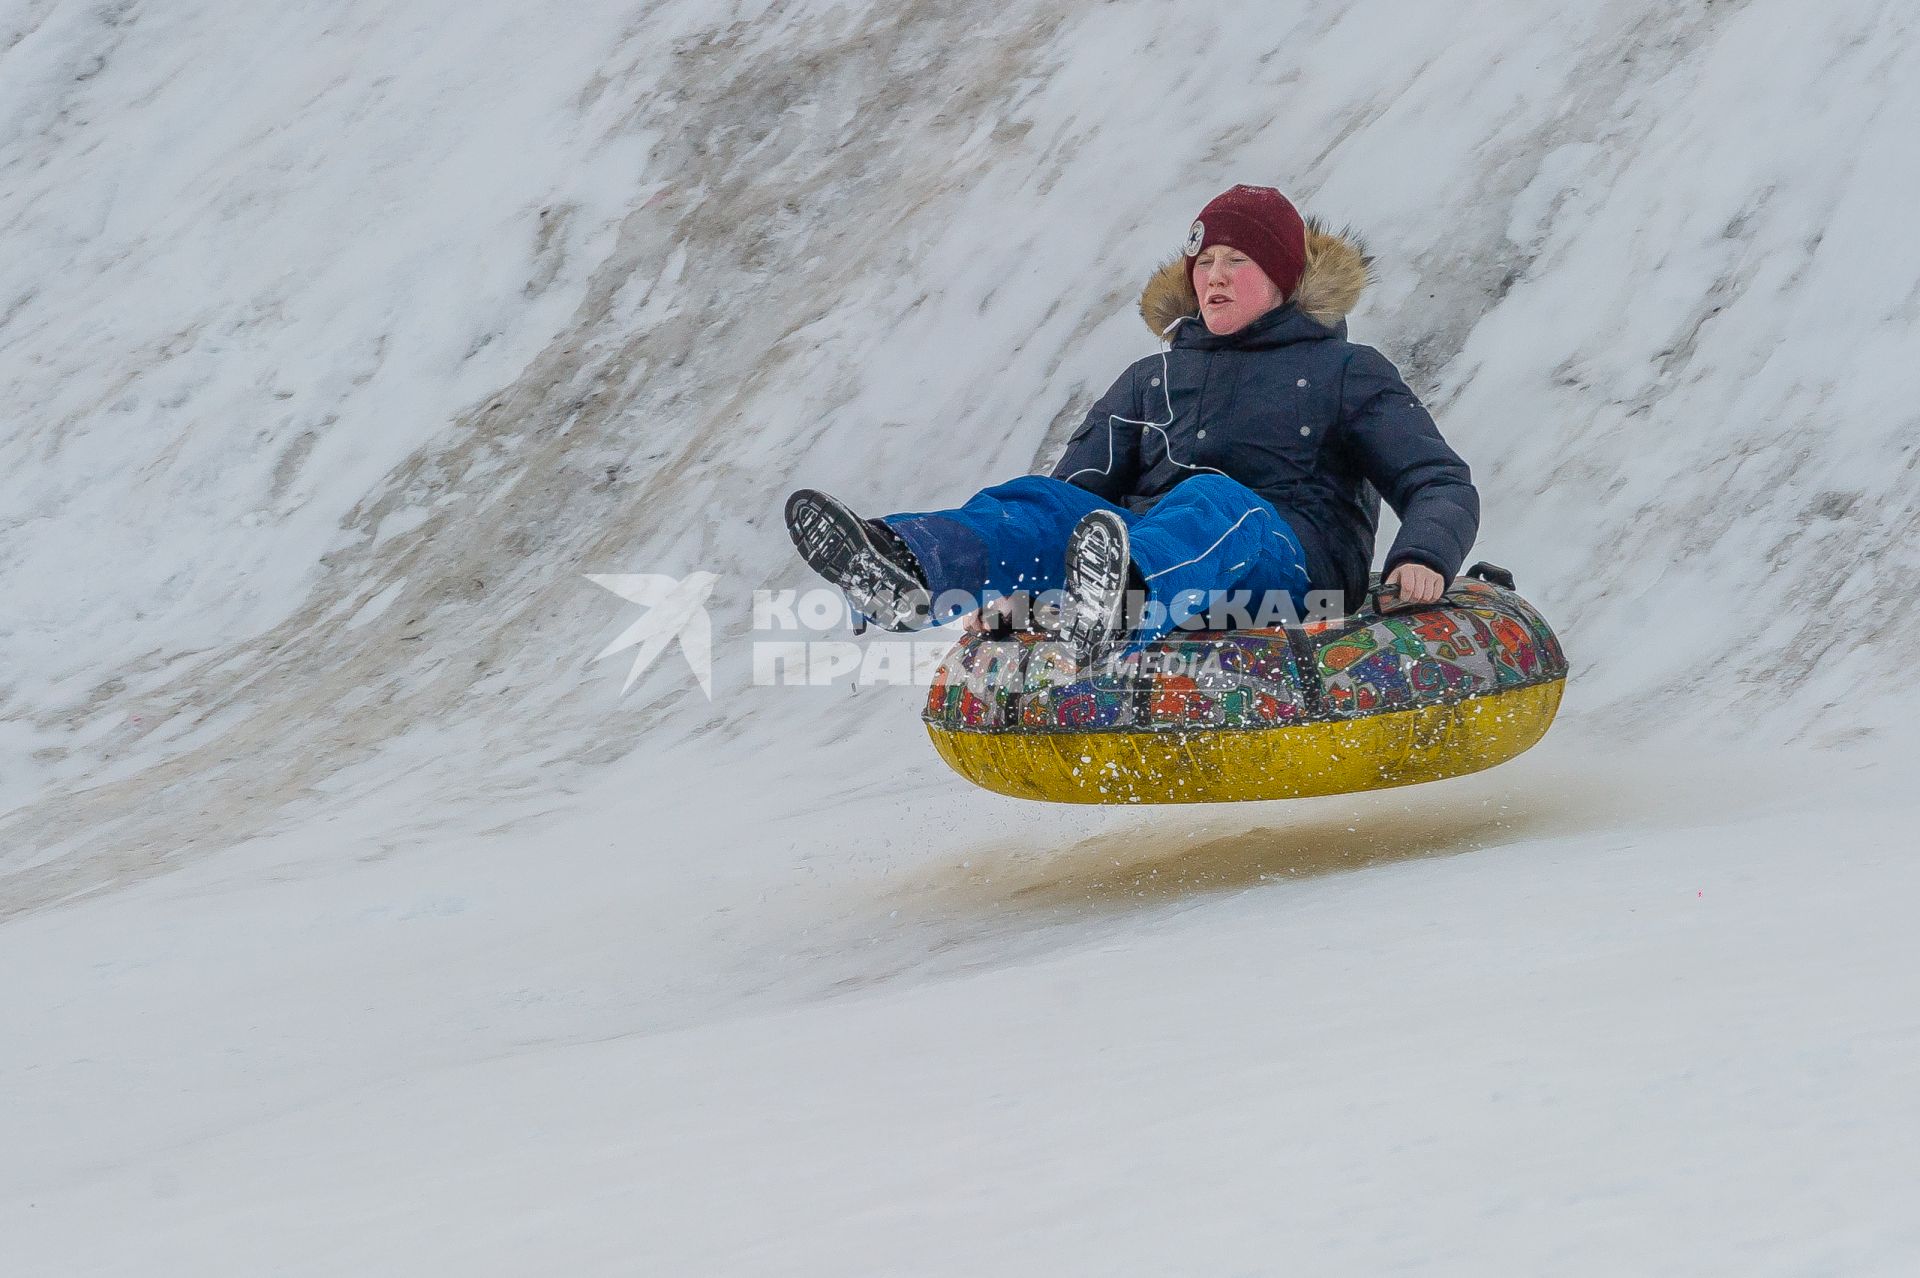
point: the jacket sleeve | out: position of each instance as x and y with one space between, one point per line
1103 456
1398 448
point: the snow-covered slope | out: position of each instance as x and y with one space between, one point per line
338 341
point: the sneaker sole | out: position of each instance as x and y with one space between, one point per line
1096 583
836 544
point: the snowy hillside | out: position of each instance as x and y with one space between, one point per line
358 922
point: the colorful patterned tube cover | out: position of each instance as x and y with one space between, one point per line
1368 701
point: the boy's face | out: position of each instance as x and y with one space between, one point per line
1232 289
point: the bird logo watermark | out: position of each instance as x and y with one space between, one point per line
676 609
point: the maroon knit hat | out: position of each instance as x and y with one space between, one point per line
1260 222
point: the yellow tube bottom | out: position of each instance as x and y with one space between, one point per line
1208 765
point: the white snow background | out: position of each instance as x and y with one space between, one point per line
354 922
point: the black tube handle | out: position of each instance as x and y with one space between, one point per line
1492 574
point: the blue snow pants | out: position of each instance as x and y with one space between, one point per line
1209 533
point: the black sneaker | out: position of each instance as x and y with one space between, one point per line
1093 614
863 557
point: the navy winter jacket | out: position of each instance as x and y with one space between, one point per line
1319 426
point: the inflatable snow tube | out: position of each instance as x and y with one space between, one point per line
1367 702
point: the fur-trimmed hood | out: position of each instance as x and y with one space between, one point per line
1338 270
